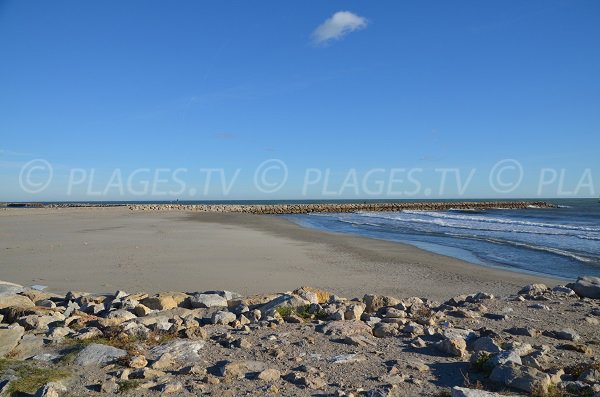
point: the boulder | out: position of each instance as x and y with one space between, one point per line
586 287
375 302
452 345
15 301
207 300
9 338
52 389
181 351
7 288
533 289
223 317
486 344
99 355
286 300
239 369
520 377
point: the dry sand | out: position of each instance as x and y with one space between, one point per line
105 249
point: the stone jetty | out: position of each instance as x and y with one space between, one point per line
341 207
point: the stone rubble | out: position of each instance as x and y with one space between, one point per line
304 342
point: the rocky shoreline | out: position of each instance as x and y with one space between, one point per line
301 208
539 341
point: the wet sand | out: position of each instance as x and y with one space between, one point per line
105 249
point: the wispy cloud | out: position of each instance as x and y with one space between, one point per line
338 26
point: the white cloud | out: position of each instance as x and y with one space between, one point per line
339 25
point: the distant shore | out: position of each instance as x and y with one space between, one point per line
105 249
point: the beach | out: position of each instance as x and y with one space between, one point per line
107 249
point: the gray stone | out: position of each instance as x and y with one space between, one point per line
181 351
486 344
223 317
99 355
7 289
9 338
465 392
520 377
207 300
270 308
587 287
533 289
505 357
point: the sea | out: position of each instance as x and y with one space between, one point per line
563 242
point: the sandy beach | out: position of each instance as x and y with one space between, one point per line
106 249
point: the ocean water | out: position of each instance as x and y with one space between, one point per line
563 242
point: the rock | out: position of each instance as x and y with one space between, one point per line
354 311
52 389
375 302
182 351
138 361
193 370
207 301
346 358
99 355
561 289
533 289
313 295
46 303
539 306
486 344
239 369
8 289
384 330
345 328
454 346
504 357
523 331
563 334
141 310
87 333
590 375
286 300
9 338
586 287
170 387
146 373
160 302
520 377
223 317
464 392
109 386
15 301
269 375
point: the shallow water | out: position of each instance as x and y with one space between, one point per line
563 242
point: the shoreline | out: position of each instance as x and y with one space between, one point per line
106 249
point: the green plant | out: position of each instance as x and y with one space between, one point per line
30 378
481 364
128 385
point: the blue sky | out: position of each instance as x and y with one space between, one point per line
429 85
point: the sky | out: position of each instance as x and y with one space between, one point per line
156 100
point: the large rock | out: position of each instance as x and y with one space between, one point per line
520 377
179 350
7 288
15 301
533 289
9 338
99 355
239 369
452 345
287 300
375 302
587 287
160 302
464 392
207 300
